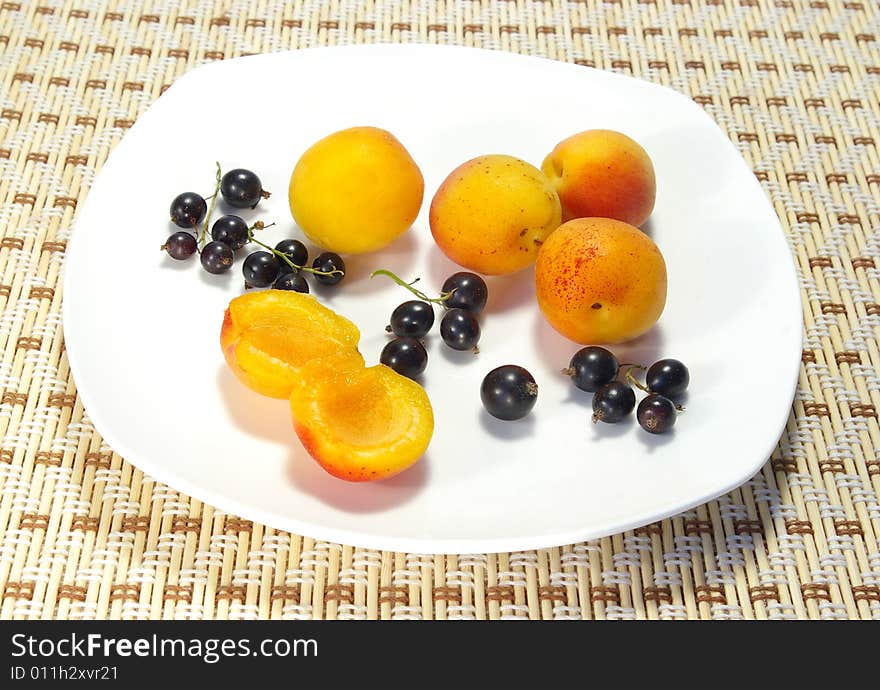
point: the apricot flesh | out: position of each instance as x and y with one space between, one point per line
492 213
602 173
361 424
599 280
267 336
356 190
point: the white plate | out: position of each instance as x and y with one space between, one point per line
142 330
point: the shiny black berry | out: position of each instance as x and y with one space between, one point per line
216 257
188 209
413 319
181 245
460 329
591 368
260 269
292 280
656 414
407 356
241 188
509 392
295 251
332 264
468 291
668 377
612 402
231 230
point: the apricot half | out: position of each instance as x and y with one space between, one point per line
268 336
599 280
361 424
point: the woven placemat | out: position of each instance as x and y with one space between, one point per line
795 85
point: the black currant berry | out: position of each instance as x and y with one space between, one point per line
295 251
180 245
591 368
329 262
188 209
413 319
656 414
468 290
260 269
460 329
292 280
241 188
216 257
231 230
509 392
612 402
668 377
407 356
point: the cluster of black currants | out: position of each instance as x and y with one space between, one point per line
463 296
240 189
282 267
594 369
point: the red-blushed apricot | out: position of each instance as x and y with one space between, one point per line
602 173
599 280
267 336
492 213
360 424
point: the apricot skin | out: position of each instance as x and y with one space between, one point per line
599 281
267 336
361 424
492 213
602 173
356 190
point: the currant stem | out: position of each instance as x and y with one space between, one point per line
633 380
281 255
441 300
213 199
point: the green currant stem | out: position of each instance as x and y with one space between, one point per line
441 300
213 199
281 255
633 380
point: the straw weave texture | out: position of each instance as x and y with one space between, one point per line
794 83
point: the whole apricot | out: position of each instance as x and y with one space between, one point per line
602 173
361 424
599 280
492 213
356 190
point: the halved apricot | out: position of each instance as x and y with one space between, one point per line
361 424
268 336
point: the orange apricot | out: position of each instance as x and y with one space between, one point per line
599 280
360 424
267 336
492 213
604 173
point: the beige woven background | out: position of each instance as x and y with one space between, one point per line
795 85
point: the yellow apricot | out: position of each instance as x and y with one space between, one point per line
356 190
492 213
